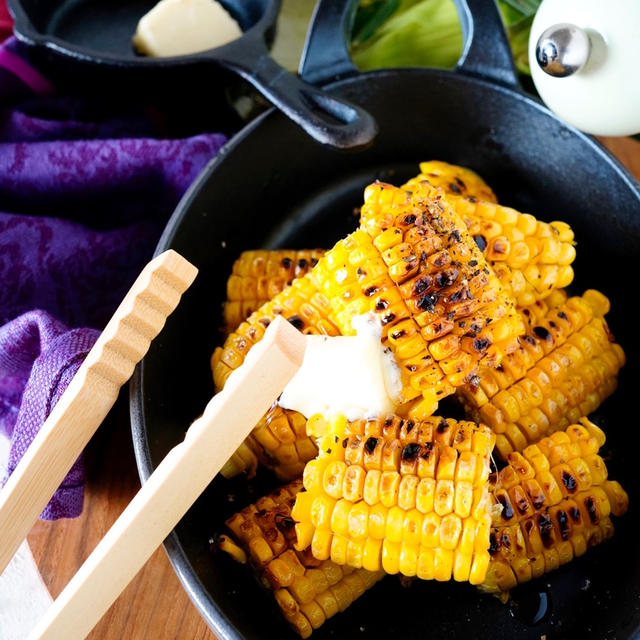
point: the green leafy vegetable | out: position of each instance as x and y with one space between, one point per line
393 33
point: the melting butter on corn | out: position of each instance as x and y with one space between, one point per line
181 27
355 376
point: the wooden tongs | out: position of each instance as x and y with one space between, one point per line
181 476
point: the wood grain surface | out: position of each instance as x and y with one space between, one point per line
154 606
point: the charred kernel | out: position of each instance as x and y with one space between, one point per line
494 546
454 187
480 344
545 527
505 540
507 510
409 218
284 522
296 321
522 505
422 284
426 450
481 241
398 334
590 505
528 525
446 278
302 263
287 262
460 294
427 302
542 332
390 317
537 501
314 262
360 271
529 339
562 314
410 425
344 443
569 481
410 451
369 291
443 425
370 444
574 514
455 236
552 324
260 513
440 261
563 524
381 304
473 263
388 421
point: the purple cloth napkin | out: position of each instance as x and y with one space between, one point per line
84 195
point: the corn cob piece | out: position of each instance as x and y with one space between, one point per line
551 504
410 497
566 364
307 590
278 441
530 257
259 275
461 308
454 180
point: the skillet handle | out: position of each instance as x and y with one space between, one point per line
486 52
330 120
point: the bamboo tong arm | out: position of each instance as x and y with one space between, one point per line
90 395
175 484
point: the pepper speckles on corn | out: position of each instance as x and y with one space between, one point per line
530 257
454 180
551 504
259 275
462 309
565 365
410 497
307 590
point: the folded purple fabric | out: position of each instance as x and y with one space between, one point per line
84 195
38 358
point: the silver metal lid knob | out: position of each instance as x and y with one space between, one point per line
563 49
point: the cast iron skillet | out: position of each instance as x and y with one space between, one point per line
274 187
87 43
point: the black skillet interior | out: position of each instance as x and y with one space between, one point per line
274 187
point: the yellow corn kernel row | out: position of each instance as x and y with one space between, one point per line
410 497
551 503
259 275
565 366
307 590
454 180
277 441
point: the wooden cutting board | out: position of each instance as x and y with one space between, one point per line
154 606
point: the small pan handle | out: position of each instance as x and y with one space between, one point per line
486 52
330 120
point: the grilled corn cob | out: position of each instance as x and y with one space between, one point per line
529 256
551 503
456 300
307 590
278 441
410 497
257 276
454 180
566 364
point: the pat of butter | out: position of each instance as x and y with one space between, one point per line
181 27
350 375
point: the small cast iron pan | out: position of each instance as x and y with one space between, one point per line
274 187
87 44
